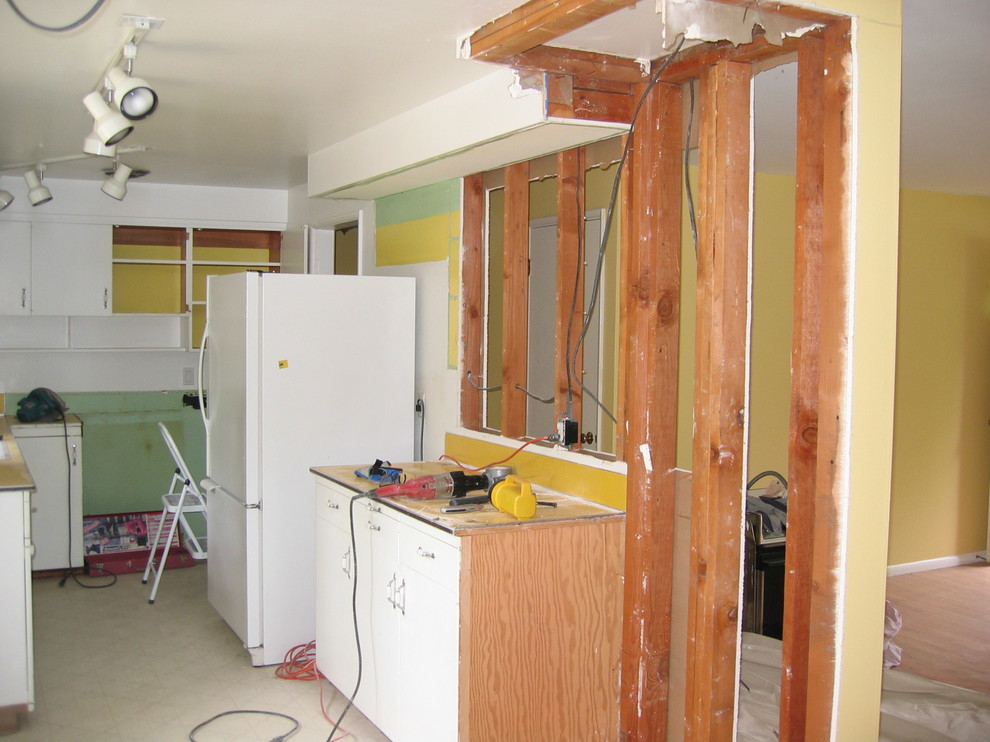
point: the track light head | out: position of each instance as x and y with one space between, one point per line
133 96
6 198
37 193
109 126
116 185
93 146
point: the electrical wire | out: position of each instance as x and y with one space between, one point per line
495 463
57 29
354 616
609 213
687 176
421 409
222 714
299 663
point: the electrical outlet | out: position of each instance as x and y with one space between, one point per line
567 432
420 403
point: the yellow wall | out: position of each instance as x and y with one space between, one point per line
941 436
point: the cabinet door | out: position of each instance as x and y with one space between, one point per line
378 568
336 651
15 257
428 668
15 619
71 269
55 462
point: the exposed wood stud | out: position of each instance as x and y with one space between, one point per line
590 65
651 295
570 282
472 297
534 23
720 401
833 380
803 448
515 301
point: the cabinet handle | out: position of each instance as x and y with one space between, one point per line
400 596
345 563
75 461
106 298
424 553
24 295
374 508
373 527
333 505
390 591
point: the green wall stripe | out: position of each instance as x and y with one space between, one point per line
440 198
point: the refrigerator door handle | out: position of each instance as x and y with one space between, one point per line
199 376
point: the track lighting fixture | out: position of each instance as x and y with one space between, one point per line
6 197
109 126
93 146
37 193
135 99
116 185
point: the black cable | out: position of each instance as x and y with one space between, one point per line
57 29
421 408
249 711
68 497
354 616
767 473
596 285
687 178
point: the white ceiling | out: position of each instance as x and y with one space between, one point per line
249 88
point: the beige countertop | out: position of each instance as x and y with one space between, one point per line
567 507
14 474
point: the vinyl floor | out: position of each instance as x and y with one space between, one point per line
945 632
110 667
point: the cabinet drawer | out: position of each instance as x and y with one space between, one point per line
431 557
332 505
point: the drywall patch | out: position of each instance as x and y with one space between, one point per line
703 20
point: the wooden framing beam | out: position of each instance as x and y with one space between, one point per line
803 442
472 298
649 346
720 401
570 283
515 300
693 61
833 380
591 65
534 23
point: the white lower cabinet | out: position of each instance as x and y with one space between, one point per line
407 614
16 641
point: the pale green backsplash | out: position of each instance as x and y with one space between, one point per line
126 466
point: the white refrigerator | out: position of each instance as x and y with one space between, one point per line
299 371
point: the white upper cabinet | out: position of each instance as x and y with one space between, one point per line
15 277
71 272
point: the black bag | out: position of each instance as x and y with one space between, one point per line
41 404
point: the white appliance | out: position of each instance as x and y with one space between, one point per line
52 451
301 371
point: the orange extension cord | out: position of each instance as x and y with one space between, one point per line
300 664
494 463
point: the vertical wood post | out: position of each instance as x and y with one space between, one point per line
833 383
720 401
472 297
571 252
650 349
803 441
515 301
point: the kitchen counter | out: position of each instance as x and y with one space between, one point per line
568 507
14 474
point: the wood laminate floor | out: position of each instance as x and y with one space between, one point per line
945 634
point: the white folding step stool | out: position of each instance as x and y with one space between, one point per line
182 498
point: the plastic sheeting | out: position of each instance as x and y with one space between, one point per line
912 709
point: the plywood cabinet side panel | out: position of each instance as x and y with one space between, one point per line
543 633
